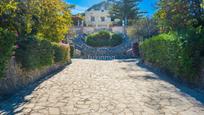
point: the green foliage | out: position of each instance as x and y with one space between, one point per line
55 19
103 35
116 39
186 17
180 14
169 52
48 19
7 14
72 51
125 9
46 53
37 23
61 53
33 53
7 40
103 39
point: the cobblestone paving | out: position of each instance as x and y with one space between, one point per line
89 87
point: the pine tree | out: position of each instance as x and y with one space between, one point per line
125 9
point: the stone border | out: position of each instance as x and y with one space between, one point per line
118 52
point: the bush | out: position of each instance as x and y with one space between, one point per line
104 35
7 40
33 53
72 51
116 39
103 39
46 53
168 51
61 53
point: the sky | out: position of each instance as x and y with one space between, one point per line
82 5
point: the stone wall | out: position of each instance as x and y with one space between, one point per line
121 51
17 78
88 30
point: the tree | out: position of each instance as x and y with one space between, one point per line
186 18
54 20
196 10
143 28
125 9
47 19
179 14
7 13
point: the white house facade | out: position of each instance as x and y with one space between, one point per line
98 18
98 15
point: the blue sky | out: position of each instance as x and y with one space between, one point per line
82 5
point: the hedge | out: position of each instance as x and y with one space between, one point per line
104 39
35 54
61 53
168 52
116 39
7 40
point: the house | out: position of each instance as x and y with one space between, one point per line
97 18
98 15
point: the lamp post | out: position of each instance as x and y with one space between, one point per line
124 24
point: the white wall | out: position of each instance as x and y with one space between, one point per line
88 30
97 14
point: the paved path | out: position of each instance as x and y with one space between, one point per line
89 87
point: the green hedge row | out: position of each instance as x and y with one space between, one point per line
104 39
167 51
60 53
34 53
7 41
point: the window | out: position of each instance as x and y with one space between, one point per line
92 19
102 19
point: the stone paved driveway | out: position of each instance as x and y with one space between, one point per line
89 87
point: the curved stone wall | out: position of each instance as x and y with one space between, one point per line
120 51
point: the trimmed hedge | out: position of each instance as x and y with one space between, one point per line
104 39
35 54
60 53
167 51
116 39
104 35
7 41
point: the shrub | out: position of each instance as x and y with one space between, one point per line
103 39
7 40
103 35
33 53
46 53
72 51
116 39
167 51
61 53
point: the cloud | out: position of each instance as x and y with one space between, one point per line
79 9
